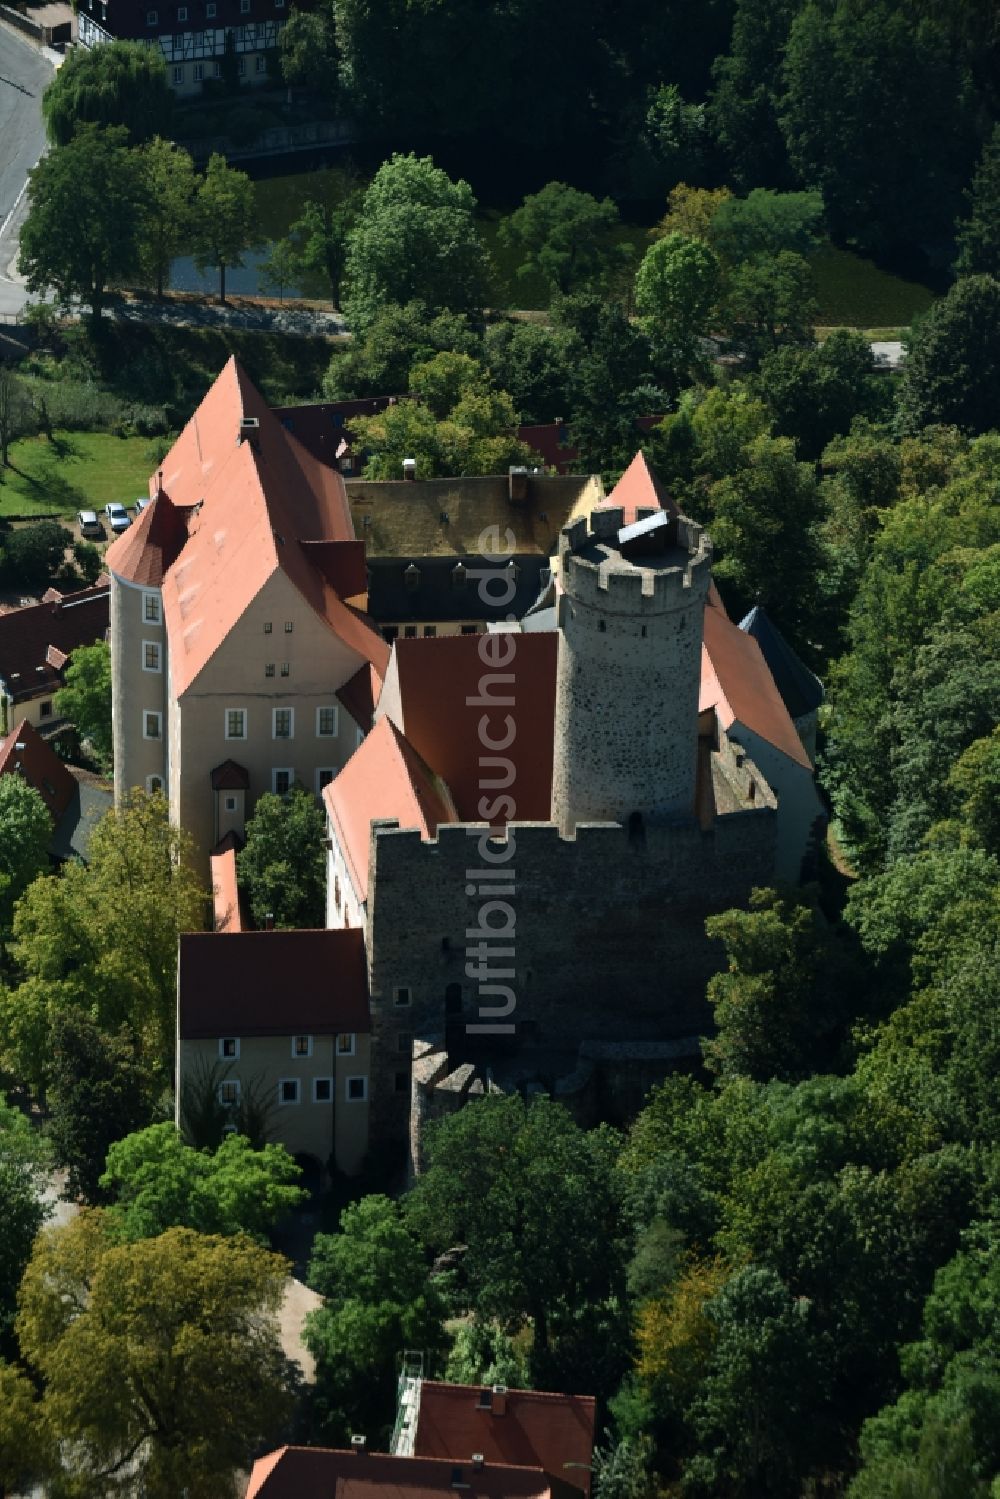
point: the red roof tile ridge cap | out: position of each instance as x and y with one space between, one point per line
512 1393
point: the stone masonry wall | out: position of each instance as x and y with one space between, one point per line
609 941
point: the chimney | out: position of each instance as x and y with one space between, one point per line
517 484
269 927
159 482
358 1444
249 427
499 1399
410 469
478 1462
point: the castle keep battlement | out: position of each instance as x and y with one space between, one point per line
597 574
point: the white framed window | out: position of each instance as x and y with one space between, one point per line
282 723
281 780
260 64
289 626
151 658
289 1091
178 75
302 1046
268 627
285 669
356 1090
241 66
199 72
269 669
230 804
322 1090
229 1091
327 722
430 631
236 723
154 784
152 725
323 778
345 1044
217 66
401 997
182 13
229 1047
244 7
152 17
151 611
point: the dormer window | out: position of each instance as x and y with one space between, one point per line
411 576
459 574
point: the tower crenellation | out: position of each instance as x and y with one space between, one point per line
629 670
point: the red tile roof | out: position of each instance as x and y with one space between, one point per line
25 753
226 913
272 983
230 777
360 695
535 1429
640 489
736 683
432 691
28 634
385 777
153 542
257 500
320 1473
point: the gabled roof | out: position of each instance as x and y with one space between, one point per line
229 776
736 683
360 694
322 1473
640 489
271 984
527 1428
25 753
27 635
150 546
385 777
801 691
433 690
449 517
257 499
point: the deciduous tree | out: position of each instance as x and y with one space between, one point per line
101 1091
158 1182
87 206
952 368
120 83
169 221
225 223
160 1359
977 235
566 237
23 1157
378 1300
282 865
85 699
25 834
676 288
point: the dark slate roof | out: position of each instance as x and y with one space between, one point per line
801 691
441 593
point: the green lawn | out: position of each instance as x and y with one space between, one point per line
854 293
73 471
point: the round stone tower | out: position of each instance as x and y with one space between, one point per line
629 671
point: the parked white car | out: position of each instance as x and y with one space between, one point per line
118 516
88 523
141 504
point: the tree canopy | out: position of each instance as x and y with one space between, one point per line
282 865
25 833
85 697
415 237
159 1359
157 1181
87 202
564 236
120 83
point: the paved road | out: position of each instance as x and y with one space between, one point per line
24 72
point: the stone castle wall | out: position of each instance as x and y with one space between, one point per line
608 942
